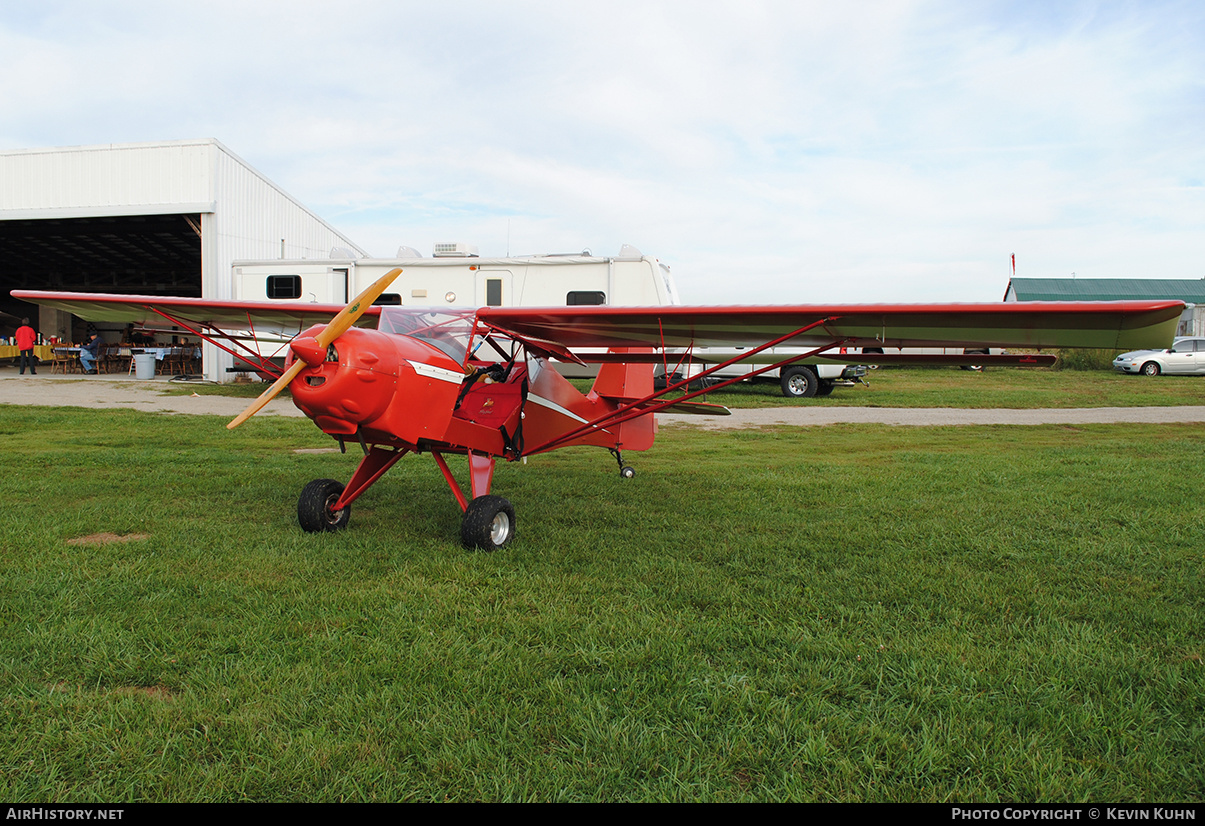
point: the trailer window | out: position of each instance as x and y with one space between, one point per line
284 286
577 298
389 300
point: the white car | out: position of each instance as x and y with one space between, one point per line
1186 356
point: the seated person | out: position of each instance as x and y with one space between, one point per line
88 353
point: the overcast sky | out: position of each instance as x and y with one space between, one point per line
768 151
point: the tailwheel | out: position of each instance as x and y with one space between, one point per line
488 523
625 471
314 512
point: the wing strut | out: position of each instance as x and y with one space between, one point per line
641 407
260 364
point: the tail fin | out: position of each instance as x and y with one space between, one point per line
623 384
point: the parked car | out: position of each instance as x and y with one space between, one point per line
1185 357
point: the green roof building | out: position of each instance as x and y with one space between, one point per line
1190 291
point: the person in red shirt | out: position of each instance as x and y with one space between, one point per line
26 338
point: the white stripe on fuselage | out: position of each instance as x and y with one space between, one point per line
433 372
556 408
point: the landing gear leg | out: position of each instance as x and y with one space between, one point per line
625 472
488 523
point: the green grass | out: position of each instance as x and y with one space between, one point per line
1018 388
852 613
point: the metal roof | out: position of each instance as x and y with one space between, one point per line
1105 289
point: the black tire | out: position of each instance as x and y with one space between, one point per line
975 368
659 382
799 383
488 523
314 512
627 472
825 388
1150 369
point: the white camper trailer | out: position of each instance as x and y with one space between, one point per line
456 277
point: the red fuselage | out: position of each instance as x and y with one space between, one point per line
402 391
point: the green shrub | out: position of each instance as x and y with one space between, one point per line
1085 360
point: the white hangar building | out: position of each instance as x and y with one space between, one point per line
163 218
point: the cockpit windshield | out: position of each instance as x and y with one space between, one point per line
448 330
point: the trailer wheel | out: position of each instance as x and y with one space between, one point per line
976 368
799 383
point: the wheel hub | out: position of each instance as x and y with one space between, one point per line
500 528
332 515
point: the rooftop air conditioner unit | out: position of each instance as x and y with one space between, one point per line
455 251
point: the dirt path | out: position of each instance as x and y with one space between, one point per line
105 392
112 392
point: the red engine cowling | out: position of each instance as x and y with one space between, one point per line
389 388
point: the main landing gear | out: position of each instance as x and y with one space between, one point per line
488 522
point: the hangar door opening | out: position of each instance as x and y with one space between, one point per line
143 254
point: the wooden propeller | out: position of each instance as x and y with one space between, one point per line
339 325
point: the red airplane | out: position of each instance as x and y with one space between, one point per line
477 382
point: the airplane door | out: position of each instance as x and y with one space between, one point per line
493 288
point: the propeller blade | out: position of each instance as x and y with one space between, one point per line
339 325
350 314
267 395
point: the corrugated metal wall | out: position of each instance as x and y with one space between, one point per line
254 217
243 214
90 180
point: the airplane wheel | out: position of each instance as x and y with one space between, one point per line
488 523
799 383
627 472
314 512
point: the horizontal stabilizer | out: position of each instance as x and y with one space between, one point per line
695 409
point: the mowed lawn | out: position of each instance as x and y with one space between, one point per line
847 613
995 387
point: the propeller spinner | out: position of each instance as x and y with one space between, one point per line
339 325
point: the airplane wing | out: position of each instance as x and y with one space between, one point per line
1118 325
225 324
278 317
